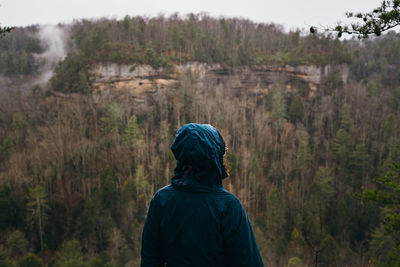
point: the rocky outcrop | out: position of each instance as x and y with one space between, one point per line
139 80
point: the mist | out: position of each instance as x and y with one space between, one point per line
54 40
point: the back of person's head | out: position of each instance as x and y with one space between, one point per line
201 146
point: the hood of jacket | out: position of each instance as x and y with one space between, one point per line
199 152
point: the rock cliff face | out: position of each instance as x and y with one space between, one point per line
138 81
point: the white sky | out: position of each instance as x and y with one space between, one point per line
290 13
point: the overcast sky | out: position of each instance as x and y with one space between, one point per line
290 13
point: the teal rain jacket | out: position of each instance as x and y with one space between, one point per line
194 221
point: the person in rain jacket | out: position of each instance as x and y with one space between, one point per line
194 221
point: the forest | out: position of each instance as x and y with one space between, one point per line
319 176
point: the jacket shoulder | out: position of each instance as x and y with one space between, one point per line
222 194
164 192
230 197
165 189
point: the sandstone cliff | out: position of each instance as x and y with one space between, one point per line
137 81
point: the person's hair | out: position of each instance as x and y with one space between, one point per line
225 163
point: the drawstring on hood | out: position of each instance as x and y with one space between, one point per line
199 152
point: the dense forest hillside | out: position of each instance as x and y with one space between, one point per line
310 121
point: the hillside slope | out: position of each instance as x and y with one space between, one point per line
307 128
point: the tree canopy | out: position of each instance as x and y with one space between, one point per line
4 30
381 19
78 169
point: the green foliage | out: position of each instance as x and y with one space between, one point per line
129 190
71 75
360 164
101 260
386 240
96 220
6 147
304 157
391 186
127 257
141 184
38 206
153 59
341 147
263 243
30 260
382 18
233 162
8 207
280 58
17 49
394 99
329 254
17 244
278 112
332 81
381 246
296 110
389 127
296 158
228 41
132 132
296 236
246 55
18 123
373 90
346 121
324 184
70 254
112 119
109 189
355 219
376 64
4 261
275 216
89 218
295 262
4 30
